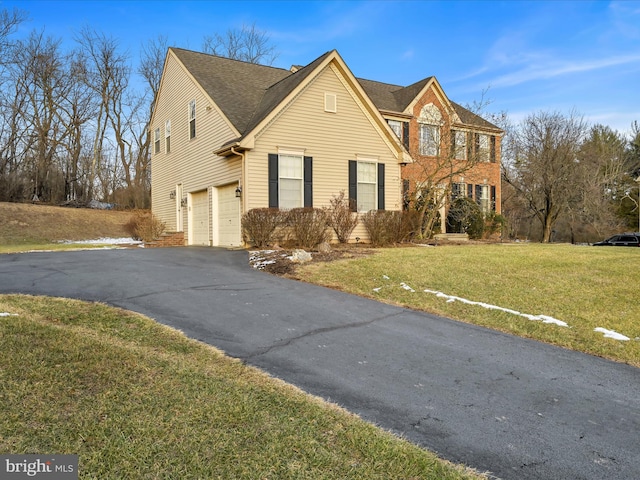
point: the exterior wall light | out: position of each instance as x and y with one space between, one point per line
172 194
239 192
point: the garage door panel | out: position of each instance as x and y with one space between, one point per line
228 216
200 218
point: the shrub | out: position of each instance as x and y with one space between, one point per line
384 227
259 225
493 223
340 217
465 216
145 226
308 226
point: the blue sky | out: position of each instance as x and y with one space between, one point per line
533 56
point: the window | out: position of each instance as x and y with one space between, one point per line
401 129
156 140
482 147
167 136
459 144
366 185
458 190
290 180
330 102
482 198
192 119
429 140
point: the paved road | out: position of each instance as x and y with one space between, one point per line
516 408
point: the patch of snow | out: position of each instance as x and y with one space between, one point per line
385 277
611 334
7 314
453 298
407 287
377 289
105 241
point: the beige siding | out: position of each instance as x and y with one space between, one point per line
332 139
191 162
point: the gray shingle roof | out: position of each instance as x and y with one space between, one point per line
396 98
247 92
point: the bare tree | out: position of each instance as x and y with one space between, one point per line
545 164
249 44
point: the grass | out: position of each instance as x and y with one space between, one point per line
586 287
28 225
135 399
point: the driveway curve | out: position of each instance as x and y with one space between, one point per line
516 408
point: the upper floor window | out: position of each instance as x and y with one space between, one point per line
459 144
483 148
156 140
192 119
401 129
167 136
429 140
429 123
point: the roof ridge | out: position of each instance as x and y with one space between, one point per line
222 57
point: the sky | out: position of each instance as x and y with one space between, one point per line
523 57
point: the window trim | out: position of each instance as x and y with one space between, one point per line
353 184
274 178
424 147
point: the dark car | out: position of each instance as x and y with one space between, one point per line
621 240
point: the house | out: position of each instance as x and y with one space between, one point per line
230 136
440 134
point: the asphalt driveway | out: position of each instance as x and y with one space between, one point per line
514 407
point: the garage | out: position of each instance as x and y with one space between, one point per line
200 218
228 216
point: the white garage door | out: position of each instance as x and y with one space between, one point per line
228 216
200 218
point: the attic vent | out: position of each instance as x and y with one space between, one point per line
330 102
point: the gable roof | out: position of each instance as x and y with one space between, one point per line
395 98
236 87
247 93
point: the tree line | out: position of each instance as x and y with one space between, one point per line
566 180
74 122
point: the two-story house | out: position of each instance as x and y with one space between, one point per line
229 136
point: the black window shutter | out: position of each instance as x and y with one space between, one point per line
353 185
492 156
493 198
469 190
476 145
469 146
478 194
308 182
453 144
405 135
406 199
273 180
381 186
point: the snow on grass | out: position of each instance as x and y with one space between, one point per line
261 258
611 334
7 314
105 241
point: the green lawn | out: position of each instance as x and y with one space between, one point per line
137 400
586 287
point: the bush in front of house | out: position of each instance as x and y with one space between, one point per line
465 216
260 224
145 226
307 226
384 227
341 218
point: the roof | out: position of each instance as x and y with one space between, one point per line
395 98
247 92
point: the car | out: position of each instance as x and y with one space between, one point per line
621 240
